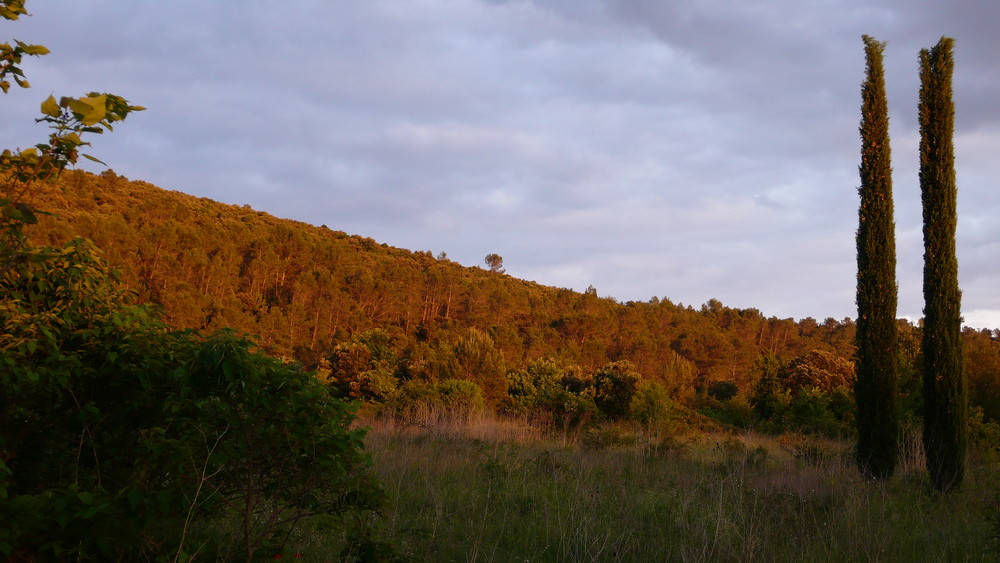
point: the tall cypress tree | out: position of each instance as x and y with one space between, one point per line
945 396
877 342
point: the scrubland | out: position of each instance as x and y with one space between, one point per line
491 489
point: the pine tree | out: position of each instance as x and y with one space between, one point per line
877 343
945 396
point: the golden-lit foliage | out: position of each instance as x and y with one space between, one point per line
306 290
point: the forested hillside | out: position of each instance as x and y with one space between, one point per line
375 316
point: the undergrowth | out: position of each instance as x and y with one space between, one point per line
487 489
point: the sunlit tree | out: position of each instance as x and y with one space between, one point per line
495 262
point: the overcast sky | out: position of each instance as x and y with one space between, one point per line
681 149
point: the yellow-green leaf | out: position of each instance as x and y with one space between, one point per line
98 105
36 50
50 107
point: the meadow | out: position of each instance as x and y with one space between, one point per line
492 489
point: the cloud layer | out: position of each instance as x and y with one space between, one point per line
689 150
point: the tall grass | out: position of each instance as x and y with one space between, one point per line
486 489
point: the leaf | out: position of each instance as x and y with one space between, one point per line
98 109
135 497
20 212
50 107
94 159
36 50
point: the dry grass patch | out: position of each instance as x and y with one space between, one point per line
489 489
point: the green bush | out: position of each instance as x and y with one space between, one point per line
723 390
651 403
123 439
614 386
461 397
553 395
530 388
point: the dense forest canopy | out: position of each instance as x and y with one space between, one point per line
308 292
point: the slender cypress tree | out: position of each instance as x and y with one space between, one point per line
877 343
945 395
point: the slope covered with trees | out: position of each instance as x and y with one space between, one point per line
377 319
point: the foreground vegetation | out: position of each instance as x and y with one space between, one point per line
125 438
484 489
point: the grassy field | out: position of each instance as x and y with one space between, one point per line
494 490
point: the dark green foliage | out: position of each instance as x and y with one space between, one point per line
557 396
769 395
651 404
723 390
945 395
875 389
614 386
123 439
365 368
265 442
810 394
81 375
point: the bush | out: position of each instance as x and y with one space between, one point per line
811 413
651 403
123 439
723 390
365 368
614 386
531 387
460 397
735 412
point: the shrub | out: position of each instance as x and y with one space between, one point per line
460 397
123 439
723 390
614 386
651 403
530 388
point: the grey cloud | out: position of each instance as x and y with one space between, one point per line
687 150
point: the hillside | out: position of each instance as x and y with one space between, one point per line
305 290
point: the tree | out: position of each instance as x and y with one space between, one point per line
945 395
495 262
68 118
769 397
875 388
121 439
614 386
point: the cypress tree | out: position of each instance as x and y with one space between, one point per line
945 398
877 342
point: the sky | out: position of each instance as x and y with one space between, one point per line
688 150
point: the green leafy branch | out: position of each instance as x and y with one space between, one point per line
68 120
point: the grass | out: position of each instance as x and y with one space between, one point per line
488 489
